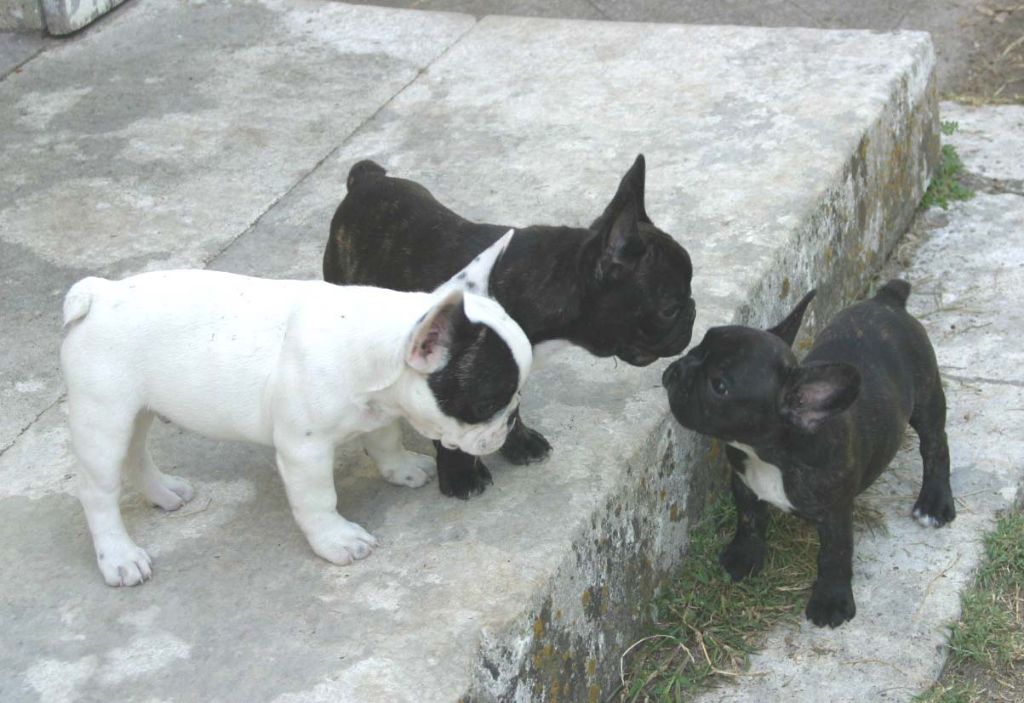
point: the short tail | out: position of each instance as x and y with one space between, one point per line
365 171
79 299
895 291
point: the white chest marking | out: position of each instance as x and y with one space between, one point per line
764 479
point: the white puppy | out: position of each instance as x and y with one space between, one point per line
299 365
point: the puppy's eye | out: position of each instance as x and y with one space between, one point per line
719 386
670 311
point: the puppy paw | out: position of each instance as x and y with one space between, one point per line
742 558
167 492
342 542
935 506
831 604
525 446
408 469
123 563
468 478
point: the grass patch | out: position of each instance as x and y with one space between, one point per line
946 186
990 632
959 693
986 659
707 626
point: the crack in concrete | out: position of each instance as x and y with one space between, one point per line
17 67
332 152
984 379
600 11
31 422
992 186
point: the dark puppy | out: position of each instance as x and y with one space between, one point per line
808 437
618 288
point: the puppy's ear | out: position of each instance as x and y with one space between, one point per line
787 329
816 392
476 276
622 247
631 187
431 338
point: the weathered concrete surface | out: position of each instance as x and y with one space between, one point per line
970 35
989 142
21 15
781 159
968 278
154 140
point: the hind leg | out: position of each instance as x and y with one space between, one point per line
934 506
165 491
101 437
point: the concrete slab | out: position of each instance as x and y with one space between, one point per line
968 278
883 16
568 9
156 139
21 15
758 13
989 142
781 159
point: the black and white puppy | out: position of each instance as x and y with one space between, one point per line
808 437
618 288
298 365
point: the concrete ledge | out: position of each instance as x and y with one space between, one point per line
67 16
782 159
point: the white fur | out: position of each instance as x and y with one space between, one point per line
475 277
299 365
925 520
764 479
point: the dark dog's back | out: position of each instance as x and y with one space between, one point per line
378 218
897 365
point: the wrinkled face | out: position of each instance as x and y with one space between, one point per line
470 402
729 386
646 312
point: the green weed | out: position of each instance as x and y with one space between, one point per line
946 186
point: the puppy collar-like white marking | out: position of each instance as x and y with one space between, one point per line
764 479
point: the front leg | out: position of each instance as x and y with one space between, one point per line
396 463
831 600
745 554
460 475
524 445
307 469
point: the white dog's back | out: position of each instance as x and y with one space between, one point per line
202 347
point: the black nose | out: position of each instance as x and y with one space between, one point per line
671 374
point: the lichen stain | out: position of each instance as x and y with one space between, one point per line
714 451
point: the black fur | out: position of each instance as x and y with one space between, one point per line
618 288
481 375
830 424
